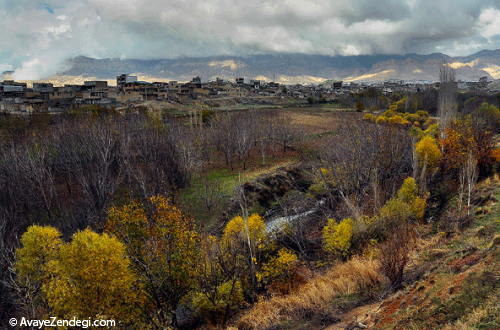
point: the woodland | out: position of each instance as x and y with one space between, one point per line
249 219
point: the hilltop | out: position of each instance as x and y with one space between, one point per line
287 68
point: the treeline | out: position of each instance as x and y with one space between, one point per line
92 199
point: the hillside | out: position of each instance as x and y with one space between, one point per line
452 281
286 68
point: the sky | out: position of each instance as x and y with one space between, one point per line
38 38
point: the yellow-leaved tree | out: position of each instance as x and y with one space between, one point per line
91 278
337 236
86 278
278 269
406 206
222 267
163 245
40 245
428 153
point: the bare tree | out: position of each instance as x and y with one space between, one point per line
155 165
226 139
447 109
244 126
395 253
361 162
211 193
468 177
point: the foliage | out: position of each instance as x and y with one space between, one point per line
278 267
236 229
398 120
40 245
428 152
337 236
463 136
408 205
228 295
359 106
369 117
163 245
222 268
89 277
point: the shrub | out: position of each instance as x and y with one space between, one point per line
369 118
394 253
227 296
360 106
278 268
337 237
381 120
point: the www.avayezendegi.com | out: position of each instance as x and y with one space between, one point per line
55 322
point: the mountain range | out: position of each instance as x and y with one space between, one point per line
286 68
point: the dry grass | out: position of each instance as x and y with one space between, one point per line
354 276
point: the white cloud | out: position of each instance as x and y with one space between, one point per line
490 22
5 67
168 28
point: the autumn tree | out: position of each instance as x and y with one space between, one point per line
465 135
40 246
91 278
359 153
428 157
222 269
87 278
337 236
163 245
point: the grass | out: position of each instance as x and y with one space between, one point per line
317 298
461 287
224 180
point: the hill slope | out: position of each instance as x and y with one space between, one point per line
451 282
289 68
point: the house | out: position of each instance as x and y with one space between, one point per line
123 79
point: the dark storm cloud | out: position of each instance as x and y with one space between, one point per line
40 36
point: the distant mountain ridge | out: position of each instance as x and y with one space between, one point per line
291 67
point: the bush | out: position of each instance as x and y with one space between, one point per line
227 297
278 268
359 106
369 118
337 237
394 253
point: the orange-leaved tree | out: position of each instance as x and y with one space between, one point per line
163 245
463 136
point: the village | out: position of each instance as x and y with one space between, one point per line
17 97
